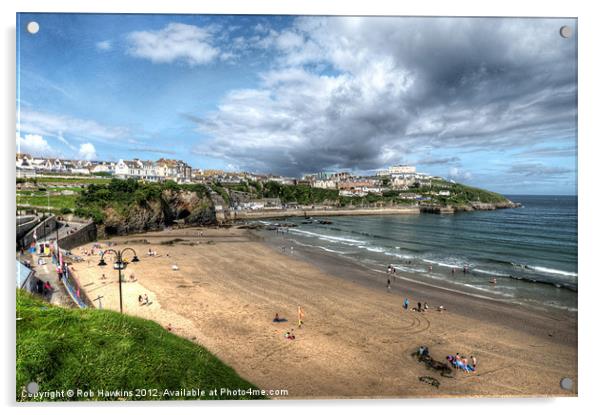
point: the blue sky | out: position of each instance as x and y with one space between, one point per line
488 102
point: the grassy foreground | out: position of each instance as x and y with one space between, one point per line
127 358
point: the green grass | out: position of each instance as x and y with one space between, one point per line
67 180
56 202
70 349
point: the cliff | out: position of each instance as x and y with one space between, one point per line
183 206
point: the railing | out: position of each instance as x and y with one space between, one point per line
72 285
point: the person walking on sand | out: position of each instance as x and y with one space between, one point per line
406 304
301 315
389 284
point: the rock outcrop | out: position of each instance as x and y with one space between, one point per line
173 206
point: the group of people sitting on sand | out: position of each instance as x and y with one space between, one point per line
291 333
151 252
461 362
143 299
420 307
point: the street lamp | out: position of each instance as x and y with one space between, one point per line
120 265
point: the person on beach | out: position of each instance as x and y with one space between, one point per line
145 299
457 359
169 327
426 306
406 304
104 277
389 284
276 318
301 314
474 362
140 299
419 307
441 308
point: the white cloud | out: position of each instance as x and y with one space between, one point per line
105 45
34 144
54 125
175 42
459 174
360 93
87 151
64 141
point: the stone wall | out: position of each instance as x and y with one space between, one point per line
82 236
43 229
25 224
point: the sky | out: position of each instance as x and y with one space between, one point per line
489 102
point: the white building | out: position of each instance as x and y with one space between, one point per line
325 184
103 167
136 169
402 169
161 170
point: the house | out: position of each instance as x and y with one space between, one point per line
103 167
325 184
24 161
175 170
402 169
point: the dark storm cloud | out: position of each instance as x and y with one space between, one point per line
434 161
390 87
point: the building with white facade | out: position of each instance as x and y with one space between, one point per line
161 170
402 169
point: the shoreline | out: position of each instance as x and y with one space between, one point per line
356 342
291 213
494 310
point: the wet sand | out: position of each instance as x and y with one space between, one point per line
356 340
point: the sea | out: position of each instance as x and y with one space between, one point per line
529 252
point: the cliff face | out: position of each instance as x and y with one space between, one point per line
182 206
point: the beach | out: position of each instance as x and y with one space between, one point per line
356 341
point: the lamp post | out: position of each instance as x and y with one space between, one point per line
120 264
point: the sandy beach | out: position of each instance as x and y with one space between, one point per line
355 341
